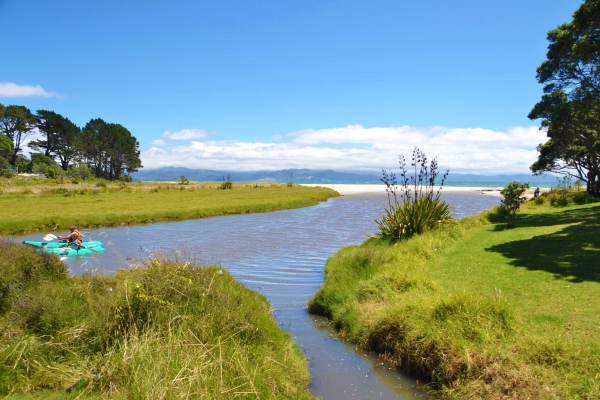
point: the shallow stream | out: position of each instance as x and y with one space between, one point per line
282 255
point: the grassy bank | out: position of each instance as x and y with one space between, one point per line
40 208
479 310
166 330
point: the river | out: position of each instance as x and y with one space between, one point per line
282 255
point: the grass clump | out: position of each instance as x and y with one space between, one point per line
478 310
416 207
166 329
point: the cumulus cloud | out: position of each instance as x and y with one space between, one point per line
465 150
9 89
186 134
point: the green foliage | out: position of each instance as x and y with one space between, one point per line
79 171
569 108
226 185
23 164
109 149
6 147
60 137
513 196
565 193
183 180
165 329
419 208
413 218
16 122
5 168
50 171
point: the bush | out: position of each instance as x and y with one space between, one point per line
226 185
419 208
50 171
183 180
79 171
513 196
5 168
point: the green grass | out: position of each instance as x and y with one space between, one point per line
42 208
477 309
165 330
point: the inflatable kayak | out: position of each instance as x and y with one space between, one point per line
56 245
71 251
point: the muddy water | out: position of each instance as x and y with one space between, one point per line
282 255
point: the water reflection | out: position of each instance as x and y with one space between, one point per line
282 255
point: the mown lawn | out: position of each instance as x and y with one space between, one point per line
477 309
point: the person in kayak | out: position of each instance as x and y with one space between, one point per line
74 237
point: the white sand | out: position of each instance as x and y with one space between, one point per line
355 189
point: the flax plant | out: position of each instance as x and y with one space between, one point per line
414 203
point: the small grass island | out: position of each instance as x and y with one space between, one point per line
39 205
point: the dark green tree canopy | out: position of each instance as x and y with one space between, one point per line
6 147
60 137
109 149
570 107
16 122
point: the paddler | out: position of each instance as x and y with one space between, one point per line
74 237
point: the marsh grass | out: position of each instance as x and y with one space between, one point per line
164 330
477 310
94 206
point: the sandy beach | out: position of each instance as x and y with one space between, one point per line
346 189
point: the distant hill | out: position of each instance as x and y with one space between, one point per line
312 176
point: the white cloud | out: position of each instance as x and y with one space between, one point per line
9 89
186 134
159 142
465 150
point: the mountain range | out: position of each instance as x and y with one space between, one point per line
312 176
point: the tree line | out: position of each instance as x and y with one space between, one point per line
108 150
570 106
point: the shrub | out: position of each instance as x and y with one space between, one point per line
513 196
416 208
183 180
80 171
48 170
5 168
226 185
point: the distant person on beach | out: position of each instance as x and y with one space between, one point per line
536 192
74 237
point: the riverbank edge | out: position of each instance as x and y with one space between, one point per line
164 329
356 289
305 198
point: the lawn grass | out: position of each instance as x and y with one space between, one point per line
165 330
42 208
477 309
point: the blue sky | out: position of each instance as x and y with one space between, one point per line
277 84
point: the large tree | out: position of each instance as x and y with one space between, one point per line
109 149
60 137
16 122
570 107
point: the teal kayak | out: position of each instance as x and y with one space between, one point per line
71 251
56 245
